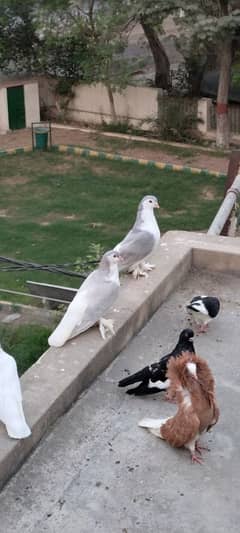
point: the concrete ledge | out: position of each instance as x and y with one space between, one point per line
60 375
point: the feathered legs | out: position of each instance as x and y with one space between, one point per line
191 446
200 448
141 269
106 326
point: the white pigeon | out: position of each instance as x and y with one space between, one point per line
93 299
11 410
141 240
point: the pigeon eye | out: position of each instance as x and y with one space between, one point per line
150 201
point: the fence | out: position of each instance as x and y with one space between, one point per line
234 117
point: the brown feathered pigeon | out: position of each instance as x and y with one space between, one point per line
192 384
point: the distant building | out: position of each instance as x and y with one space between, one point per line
19 103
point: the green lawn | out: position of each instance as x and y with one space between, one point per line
52 206
25 343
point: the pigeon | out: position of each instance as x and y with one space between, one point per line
93 299
193 384
153 377
141 240
11 410
203 309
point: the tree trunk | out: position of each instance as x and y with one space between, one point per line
162 65
223 130
223 133
112 103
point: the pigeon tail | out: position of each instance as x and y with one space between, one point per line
15 422
153 425
19 430
63 331
134 378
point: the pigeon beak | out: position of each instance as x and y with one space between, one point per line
120 258
156 205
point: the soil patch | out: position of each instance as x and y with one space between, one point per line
84 139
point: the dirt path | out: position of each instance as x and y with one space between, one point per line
188 156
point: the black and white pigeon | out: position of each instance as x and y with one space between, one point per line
203 309
153 378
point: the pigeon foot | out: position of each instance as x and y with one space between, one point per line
200 448
196 459
147 267
106 326
139 271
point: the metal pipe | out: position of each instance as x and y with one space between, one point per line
226 208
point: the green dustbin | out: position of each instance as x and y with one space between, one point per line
41 138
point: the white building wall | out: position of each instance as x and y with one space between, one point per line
4 123
91 104
32 106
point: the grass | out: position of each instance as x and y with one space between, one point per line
25 343
52 206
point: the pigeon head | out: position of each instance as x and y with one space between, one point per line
186 335
110 258
149 202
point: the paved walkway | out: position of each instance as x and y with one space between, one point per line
188 156
97 472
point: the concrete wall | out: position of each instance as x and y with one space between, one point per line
136 104
31 100
4 126
91 104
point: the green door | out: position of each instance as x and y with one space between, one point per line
16 107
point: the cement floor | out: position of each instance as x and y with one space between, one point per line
97 471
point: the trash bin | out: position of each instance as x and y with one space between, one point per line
41 138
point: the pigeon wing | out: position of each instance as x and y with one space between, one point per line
181 428
93 299
135 247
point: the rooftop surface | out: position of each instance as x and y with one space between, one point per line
97 471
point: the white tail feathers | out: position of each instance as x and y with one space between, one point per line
57 339
63 331
153 425
14 419
18 429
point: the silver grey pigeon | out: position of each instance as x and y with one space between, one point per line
141 240
95 296
11 409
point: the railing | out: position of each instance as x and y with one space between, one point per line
226 208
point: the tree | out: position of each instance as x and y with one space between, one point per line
69 40
19 42
215 24
162 65
151 15
103 27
